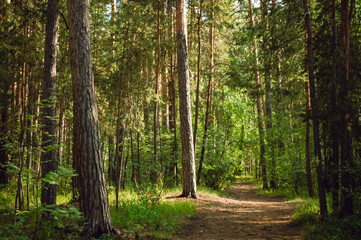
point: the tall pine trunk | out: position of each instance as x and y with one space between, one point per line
86 149
48 156
188 161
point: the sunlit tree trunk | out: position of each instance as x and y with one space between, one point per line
86 150
188 161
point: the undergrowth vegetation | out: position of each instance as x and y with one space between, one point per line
142 213
307 214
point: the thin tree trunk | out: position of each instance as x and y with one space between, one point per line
111 165
210 80
198 75
188 161
335 123
48 156
267 82
258 83
173 119
4 131
314 111
154 174
311 192
86 149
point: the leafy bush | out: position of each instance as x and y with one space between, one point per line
61 224
219 174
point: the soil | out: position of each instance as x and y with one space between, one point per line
242 215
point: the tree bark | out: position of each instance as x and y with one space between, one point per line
86 149
172 84
314 107
210 80
48 156
311 192
198 75
188 161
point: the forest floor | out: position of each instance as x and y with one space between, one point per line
243 214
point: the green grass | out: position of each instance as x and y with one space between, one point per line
144 218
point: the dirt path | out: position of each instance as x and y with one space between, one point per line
244 215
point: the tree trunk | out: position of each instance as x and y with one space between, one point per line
188 162
173 117
335 119
198 75
154 175
258 83
48 156
210 80
4 131
311 192
347 178
267 82
86 149
314 107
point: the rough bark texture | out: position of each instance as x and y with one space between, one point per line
86 150
188 162
314 107
48 156
347 178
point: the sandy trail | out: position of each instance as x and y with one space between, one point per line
243 215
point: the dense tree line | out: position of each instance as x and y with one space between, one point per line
265 88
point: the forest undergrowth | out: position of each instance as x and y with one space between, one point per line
142 213
307 214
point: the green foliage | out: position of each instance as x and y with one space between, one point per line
54 177
335 229
147 215
62 223
307 211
